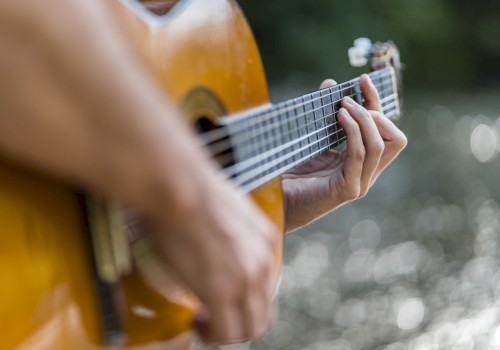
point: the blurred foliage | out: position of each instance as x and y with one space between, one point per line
444 43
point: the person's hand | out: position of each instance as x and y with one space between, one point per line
223 249
337 177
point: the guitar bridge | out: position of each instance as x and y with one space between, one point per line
109 239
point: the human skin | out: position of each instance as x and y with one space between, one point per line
68 109
334 178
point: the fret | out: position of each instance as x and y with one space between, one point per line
318 119
380 82
241 148
332 115
386 96
301 123
276 137
329 115
383 90
250 147
358 95
274 140
311 123
337 98
269 142
259 137
350 89
284 125
294 129
261 142
306 151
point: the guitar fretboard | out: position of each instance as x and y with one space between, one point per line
268 142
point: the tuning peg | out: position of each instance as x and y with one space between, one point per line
359 53
357 56
363 42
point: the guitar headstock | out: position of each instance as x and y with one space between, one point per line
378 56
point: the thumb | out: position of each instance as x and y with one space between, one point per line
327 83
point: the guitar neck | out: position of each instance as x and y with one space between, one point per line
268 142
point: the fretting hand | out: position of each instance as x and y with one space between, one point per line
334 178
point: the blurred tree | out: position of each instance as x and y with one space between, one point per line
444 43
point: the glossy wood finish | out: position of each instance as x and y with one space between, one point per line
46 292
47 296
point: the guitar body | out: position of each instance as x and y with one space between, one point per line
205 57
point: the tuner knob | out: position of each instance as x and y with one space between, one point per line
358 56
363 43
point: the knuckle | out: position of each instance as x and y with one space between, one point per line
250 274
352 191
353 124
359 155
358 110
379 146
402 140
226 288
364 112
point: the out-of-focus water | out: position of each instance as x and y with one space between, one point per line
415 264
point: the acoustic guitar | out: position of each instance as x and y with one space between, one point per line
71 276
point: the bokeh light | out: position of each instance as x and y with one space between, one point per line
411 314
483 142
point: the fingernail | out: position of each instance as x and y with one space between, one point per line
367 77
349 101
344 112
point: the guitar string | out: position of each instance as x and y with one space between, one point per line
277 125
264 178
269 164
250 119
281 108
278 136
226 145
241 166
218 146
309 146
258 158
226 160
258 173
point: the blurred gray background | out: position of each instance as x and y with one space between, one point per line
416 263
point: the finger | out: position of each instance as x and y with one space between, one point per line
373 143
258 281
258 308
370 93
394 139
354 155
327 83
225 324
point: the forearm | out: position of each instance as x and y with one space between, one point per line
78 104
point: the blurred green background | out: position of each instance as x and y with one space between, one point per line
452 44
415 264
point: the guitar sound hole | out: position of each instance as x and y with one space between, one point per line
159 7
220 148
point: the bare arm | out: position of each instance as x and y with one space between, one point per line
77 103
